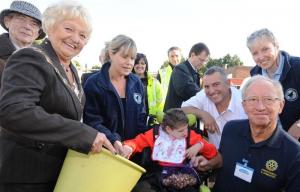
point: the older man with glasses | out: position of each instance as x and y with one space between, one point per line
23 23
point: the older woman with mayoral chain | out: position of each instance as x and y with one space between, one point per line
41 104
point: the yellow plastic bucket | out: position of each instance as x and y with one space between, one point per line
102 172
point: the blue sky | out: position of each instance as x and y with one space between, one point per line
156 25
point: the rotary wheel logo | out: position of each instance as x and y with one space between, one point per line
271 165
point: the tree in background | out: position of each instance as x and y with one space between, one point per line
226 62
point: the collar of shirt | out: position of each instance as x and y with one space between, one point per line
273 141
278 72
235 97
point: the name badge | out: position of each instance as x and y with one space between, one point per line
243 172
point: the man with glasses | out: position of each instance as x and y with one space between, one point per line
185 80
258 155
216 104
23 23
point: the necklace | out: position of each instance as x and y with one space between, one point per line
67 69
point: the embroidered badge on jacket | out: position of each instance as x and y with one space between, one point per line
137 98
291 94
271 167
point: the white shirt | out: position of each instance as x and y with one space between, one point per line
234 111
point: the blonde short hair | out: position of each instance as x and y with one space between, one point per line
65 10
262 34
117 43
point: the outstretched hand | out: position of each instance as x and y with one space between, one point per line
204 164
201 163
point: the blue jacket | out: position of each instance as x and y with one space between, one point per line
290 82
104 109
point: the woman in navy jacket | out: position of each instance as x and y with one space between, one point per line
114 96
278 65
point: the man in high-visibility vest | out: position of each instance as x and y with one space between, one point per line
164 73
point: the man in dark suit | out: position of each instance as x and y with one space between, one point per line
185 80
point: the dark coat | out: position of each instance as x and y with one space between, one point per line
40 116
2 65
6 50
104 109
290 82
184 84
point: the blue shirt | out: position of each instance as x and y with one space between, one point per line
278 72
275 161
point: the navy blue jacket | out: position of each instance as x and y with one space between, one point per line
290 81
275 161
104 109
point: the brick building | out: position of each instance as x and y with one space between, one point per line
237 74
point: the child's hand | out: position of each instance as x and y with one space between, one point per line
127 151
193 150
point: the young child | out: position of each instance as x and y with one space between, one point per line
170 146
